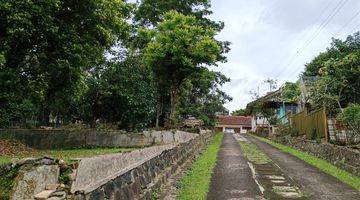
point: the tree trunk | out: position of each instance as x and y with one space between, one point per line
174 100
158 114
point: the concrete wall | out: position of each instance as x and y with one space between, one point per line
343 157
50 139
47 139
134 175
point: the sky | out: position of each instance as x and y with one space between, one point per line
275 38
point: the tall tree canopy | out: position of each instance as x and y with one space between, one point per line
151 12
202 98
180 48
338 72
90 61
47 46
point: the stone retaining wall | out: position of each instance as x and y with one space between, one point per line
342 157
50 139
146 171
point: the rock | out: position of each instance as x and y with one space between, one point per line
43 195
27 161
52 186
34 180
59 194
8 167
47 160
56 198
61 162
72 176
62 185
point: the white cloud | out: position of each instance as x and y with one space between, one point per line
266 36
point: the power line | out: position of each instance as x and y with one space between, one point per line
337 33
343 27
318 20
326 22
333 13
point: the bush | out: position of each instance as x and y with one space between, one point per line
18 114
351 116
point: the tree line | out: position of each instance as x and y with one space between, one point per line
134 64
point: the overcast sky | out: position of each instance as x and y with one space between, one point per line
275 38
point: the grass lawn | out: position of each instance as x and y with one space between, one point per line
195 184
65 154
323 165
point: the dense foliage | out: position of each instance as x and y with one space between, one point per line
202 98
351 117
47 47
87 61
338 72
240 112
290 92
180 49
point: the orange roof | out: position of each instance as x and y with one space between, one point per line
233 120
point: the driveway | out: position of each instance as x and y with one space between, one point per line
283 176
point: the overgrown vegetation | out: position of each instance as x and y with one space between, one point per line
290 92
7 178
195 184
323 165
109 61
351 117
338 71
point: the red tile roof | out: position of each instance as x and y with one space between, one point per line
233 120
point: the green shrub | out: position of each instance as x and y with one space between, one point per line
21 113
351 116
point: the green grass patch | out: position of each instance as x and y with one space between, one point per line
65 154
253 154
323 165
195 184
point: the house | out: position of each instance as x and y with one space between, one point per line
236 124
271 109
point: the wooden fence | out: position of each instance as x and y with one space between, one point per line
313 124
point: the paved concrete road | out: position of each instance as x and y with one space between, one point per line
232 177
314 182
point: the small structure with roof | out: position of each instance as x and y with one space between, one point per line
236 124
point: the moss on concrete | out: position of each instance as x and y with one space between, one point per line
253 154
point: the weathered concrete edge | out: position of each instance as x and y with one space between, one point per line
76 186
94 186
176 156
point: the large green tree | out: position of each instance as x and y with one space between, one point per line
121 92
338 72
151 12
47 46
179 49
201 96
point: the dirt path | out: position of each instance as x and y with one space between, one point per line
315 183
232 177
